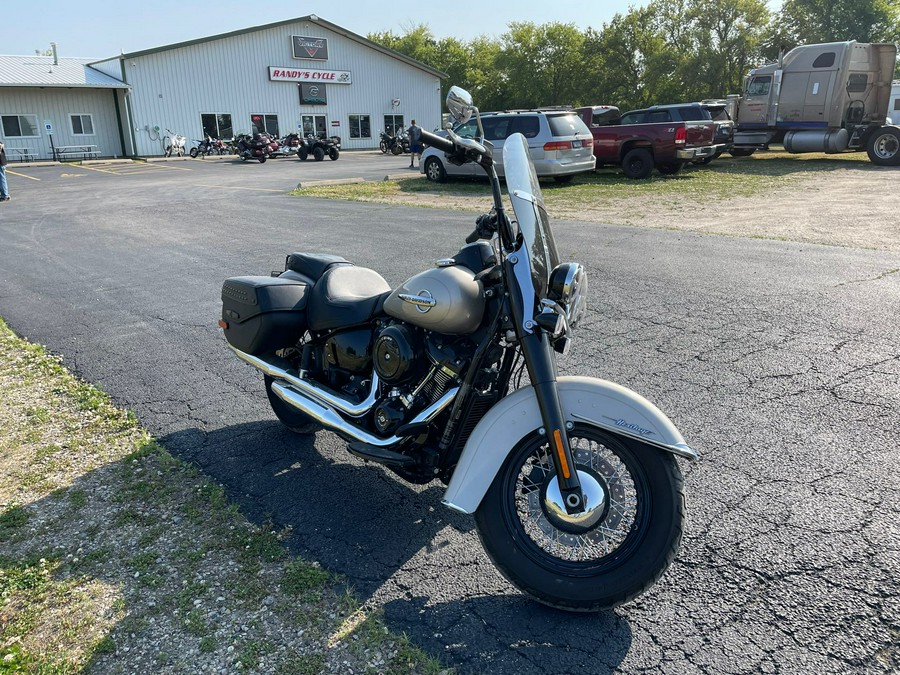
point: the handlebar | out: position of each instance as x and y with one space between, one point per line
436 141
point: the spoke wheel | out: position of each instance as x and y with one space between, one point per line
611 553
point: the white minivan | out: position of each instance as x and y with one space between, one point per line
559 142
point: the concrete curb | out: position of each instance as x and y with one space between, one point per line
400 176
335 181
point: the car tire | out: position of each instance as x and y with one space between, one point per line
741 152
637 164
434 170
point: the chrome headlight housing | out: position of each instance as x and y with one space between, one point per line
568 288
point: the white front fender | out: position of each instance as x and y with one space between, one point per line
584 399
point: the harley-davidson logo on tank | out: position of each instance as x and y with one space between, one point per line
277 74
306 47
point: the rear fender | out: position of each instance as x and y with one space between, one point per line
584 400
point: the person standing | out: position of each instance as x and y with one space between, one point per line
415 143
4 187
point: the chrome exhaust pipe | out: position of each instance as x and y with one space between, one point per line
325 398
330 419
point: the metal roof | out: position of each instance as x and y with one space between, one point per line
40 71
311 18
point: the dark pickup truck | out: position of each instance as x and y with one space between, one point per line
664 136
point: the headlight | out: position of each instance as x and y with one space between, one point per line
568 287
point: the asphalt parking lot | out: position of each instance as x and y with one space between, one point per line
214 173
777 360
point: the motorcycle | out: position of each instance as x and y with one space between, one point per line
396 145
289 145
258 147
319 147
203 148
572 481
173 144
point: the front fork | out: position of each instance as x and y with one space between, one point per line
541 364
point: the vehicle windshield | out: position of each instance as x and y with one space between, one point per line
528 206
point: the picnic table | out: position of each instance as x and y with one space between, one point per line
71 151
22 154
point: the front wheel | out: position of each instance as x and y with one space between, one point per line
194 153
586 562
383 146
396 149
290 417
884 147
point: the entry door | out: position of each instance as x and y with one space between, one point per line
314 124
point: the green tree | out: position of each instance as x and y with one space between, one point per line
541 64
811 21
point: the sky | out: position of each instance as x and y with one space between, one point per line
104 28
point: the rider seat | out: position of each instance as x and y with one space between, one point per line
345 295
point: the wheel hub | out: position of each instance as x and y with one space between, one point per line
596 502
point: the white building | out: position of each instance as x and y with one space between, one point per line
303 73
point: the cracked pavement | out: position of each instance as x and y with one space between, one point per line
778 361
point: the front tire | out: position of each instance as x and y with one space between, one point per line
290 417
384 147
884 147
570 567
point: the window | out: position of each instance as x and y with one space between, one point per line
566 125
759 86
825 60
693 114
634 118
659 116
495 128
857 82
470 128
897 103
217 125
393 124
360 126
21 126
82 125
264 123
313 124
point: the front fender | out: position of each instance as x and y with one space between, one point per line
584 399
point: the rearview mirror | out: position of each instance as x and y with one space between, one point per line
459 103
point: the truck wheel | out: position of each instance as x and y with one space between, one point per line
741 152
884 147
637 164
669 168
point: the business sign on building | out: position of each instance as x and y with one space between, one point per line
277 74
306 47
313 94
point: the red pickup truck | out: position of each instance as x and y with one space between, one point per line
664 136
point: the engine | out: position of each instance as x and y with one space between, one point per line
420 367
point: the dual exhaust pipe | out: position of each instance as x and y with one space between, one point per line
329 409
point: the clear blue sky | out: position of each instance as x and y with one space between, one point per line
95 28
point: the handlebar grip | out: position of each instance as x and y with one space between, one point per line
475 236
436 141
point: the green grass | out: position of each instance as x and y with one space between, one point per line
724 178
103 530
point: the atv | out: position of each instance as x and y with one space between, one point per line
318 147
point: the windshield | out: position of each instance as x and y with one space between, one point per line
528 206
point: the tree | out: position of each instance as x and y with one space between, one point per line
811 21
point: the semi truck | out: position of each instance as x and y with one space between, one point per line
832 97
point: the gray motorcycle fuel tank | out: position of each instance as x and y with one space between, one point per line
445 300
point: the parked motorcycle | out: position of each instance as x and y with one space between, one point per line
319 147
289 145
258 147
396 145
173 144
573 481
203 148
